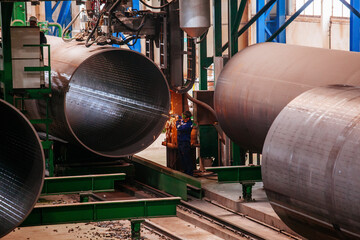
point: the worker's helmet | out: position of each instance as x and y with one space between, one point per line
33 19
187 114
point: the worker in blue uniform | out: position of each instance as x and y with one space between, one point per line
184 127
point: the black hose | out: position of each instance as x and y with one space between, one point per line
97 24
153 7
93 31
212 111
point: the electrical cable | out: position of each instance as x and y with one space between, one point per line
87 44
153 7
67 28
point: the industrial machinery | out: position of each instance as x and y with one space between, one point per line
111 103
315 140
108 101
22 167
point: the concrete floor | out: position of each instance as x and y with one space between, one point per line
155 152
101 230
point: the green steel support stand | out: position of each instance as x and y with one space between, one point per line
43 94
73 184
19 14
217 28
233 39
135 228
235 16
209 143
247 191
206 133
247 176
84 198
102 211
6 76
166 179
238 154
203 65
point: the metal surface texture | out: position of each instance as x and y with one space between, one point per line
195 17
112 101
21 168
258 82
310 166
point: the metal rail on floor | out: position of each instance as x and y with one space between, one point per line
166 179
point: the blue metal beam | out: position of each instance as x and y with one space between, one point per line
260 23
264 25
64 17
354 26
280 20
137 45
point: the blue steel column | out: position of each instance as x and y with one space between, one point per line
137 45
280 20
64 17
260 23
355 27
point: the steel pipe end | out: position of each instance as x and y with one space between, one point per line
117 103
310 167
21 168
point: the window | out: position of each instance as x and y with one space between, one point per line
314 9
338 9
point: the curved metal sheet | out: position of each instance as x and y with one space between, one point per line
22 167
112 101
310 163
258 82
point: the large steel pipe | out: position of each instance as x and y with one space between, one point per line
310 163
112 101
21 167
258 82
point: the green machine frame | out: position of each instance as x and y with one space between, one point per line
87 186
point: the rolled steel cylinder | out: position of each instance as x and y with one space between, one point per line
21 168
258 82
310 163
112 101
194 17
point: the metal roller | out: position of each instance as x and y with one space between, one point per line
258 82
310 167
21 168
112 101
194 17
